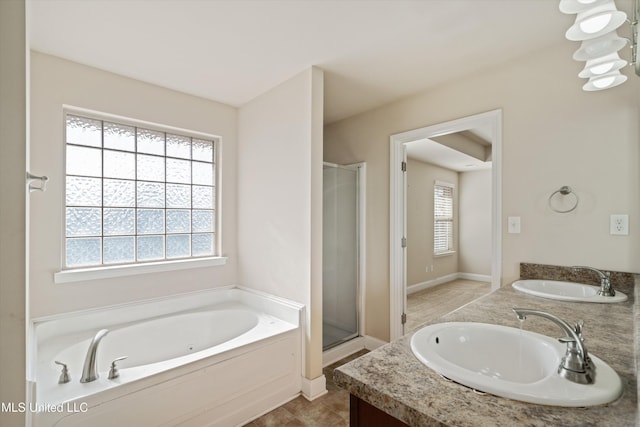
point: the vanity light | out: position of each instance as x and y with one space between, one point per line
596 22
600 46
599 66
605 81
595 26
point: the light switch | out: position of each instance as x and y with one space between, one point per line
513 224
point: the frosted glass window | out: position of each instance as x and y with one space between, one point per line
83 252
82 191
150 141
119 193
150 168
202 244
179 171
150 248
202 197
84 131
119 250
178 246
119 137
119 165
178 196
119 222
203 150
150 194
179 221
202 173
136 194
150 221
84 161
178 146
202 221
84 222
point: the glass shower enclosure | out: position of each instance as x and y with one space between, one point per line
340 254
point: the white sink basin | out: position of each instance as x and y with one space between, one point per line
510 362
565 291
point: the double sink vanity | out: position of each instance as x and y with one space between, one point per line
544 351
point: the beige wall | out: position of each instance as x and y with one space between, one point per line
420 179
554 134
13 202
54 82
475 222
280 199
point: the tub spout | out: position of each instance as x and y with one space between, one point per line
89 371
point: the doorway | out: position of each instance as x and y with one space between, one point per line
342 266
487 124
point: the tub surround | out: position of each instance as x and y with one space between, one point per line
194 359
394 381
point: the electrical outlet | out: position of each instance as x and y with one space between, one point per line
619 225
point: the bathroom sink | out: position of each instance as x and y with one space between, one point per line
509 362
565 291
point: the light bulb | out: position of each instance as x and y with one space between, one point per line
595 23
603 82
602 68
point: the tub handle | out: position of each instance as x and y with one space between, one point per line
113 372
64 375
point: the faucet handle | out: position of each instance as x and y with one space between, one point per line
64 375
578 328
113 372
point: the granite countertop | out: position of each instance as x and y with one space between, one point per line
393 380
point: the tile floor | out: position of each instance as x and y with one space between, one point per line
431 303
330 410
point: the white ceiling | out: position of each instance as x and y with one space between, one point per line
430 151
373 51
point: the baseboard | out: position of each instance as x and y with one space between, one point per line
448 278
371 343
476 277
431 283
312 389
352 346
343 350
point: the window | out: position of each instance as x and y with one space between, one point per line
136 193
442 218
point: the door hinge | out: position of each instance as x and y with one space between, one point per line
404 166
403 318
403 242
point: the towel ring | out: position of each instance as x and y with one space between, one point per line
564 191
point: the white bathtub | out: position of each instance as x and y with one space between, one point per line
218 357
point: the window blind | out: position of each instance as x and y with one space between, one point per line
443 217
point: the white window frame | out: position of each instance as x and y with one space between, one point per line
444 219
73 274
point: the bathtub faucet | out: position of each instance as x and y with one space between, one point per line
89 371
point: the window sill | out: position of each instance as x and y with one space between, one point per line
95 273
441 254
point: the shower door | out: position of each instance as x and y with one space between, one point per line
340 254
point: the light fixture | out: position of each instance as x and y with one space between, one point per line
595 26
596 21
603 65
605 81
600 46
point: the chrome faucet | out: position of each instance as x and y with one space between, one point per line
606 289
576 364
89 371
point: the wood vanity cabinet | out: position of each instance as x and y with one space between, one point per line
363 414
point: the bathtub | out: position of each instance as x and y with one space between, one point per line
218 358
